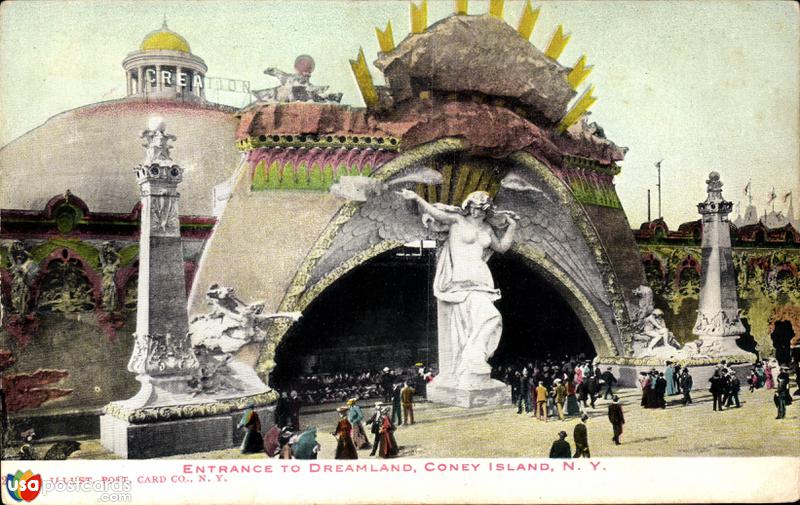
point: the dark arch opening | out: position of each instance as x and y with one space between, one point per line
383 313
781 337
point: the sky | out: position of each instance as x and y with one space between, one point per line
702 85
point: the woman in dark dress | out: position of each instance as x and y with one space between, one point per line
388 448
253 441
573 409
345 448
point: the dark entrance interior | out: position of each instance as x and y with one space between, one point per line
537 321
781 337
383 313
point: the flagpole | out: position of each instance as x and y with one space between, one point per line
658 166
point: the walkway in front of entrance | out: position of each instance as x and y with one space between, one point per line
696 430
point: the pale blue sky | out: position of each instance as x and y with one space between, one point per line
703 85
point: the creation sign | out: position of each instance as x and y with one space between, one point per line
169 78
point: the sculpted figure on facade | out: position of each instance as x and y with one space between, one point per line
23 269
296 87
463 283
231 323
157 145
109 263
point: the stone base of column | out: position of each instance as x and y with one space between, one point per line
166 417
480 392
722 347
167 438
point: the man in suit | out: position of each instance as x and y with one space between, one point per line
617 418
561 448
524 392
397 416
716 389
375 421
686 386
581 437
609 380
407 399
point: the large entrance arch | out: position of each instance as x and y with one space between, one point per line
383 313
556 236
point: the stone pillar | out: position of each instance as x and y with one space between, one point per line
718 324
129 81
139 83
159 84
177 79
162 351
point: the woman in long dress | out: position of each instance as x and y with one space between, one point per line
573 409
463 284
345 449
769 380
388 445
356 418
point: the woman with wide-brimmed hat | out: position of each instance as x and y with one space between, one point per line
345 449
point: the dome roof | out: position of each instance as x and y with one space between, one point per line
164 38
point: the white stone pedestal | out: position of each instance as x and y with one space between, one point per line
485 392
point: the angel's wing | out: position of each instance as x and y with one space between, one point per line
384 217
546 227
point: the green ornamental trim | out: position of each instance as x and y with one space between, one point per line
589 164
173 413
594 195
86 251
128 254
303 178
310 141
5 261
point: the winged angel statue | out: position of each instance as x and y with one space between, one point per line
470 325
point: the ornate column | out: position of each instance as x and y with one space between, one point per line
162 349
718 325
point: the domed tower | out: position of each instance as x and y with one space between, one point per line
165 68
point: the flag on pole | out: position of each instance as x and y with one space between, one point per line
747 188
787 196
658 163
772 196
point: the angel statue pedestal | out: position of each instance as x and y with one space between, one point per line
191 396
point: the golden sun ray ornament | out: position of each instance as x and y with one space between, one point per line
385 38
527 20
419 17
496 8
557 43
578 109
579 72
364 80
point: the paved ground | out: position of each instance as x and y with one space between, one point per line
696 430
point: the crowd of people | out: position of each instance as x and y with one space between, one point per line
366 385
656 386
548 389
557 388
